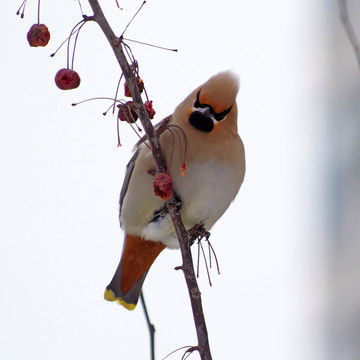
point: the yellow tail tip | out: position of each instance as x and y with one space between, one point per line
110 296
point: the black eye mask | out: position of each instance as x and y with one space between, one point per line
217 116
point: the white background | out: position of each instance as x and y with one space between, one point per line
61 175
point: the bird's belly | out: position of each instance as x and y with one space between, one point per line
206 191
213 187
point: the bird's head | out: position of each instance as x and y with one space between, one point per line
212 105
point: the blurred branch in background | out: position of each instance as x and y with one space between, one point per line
341 204
344 16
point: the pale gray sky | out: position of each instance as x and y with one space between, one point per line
62 174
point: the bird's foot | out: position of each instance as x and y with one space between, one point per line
198 232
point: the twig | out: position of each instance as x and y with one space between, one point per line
188 348
126 27
182 233
194 292
345 19
38 14
131 81
150 325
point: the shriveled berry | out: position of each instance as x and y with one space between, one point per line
67 79
127 112
140 85
38 35
149 109
163 186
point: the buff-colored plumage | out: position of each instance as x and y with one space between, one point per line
215 168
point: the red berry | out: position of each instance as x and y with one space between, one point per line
127 112
38 35
150 110
67 79
140 85
163 186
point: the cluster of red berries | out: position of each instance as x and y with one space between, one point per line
67 78
39 35
127 111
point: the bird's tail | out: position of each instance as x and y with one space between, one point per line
136 260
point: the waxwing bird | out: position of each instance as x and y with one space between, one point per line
215 167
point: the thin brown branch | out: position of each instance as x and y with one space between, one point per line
116 45
182 233
194 292
150 326
345 19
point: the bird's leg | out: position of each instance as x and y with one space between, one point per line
175 201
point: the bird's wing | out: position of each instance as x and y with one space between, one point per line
131 164
129 170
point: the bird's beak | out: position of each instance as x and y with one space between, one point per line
204 110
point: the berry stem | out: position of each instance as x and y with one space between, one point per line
22 9
152 45
39 12
75 42
73 31
144 2
117 91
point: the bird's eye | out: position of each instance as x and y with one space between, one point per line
217 116
221 116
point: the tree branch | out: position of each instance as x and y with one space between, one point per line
116 45
345 19
182 233
194 292
150 326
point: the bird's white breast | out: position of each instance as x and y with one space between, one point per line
206 191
